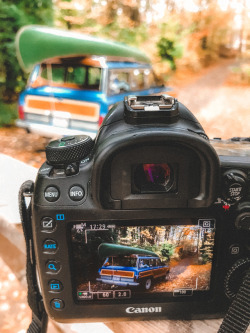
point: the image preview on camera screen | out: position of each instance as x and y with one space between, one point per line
137 261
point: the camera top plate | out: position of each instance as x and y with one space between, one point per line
151 109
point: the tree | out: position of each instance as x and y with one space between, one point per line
206 249
169 50
13 16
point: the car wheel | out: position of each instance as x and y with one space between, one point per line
148 284
167 276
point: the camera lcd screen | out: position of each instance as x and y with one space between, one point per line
142 260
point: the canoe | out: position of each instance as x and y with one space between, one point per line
107 249
36 44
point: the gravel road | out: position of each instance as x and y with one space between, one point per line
222 109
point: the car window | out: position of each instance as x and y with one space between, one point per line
94 76
158 262
123 261
76 75
152 262
143 263
69 76
137 80
119 82
149 78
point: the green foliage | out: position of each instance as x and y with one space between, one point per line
167 250
8 114
134 36
169 50
13 16
169 45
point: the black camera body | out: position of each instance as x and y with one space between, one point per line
145 222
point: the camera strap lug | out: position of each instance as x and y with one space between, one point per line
39 316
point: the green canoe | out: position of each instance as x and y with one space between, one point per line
35 44
107 249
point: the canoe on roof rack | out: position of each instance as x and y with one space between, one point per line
36 44
109 249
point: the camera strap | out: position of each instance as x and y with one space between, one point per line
39 316
237 318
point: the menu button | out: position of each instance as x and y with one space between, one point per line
51 194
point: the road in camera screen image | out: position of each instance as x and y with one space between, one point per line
183 252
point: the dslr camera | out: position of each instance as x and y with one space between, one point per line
146 222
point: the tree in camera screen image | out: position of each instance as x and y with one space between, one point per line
141 259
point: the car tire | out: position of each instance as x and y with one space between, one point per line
148 284
167 276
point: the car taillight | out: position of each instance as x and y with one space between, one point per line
20 112
100 120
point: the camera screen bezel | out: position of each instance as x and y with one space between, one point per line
197 296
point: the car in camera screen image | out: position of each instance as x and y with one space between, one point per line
119 262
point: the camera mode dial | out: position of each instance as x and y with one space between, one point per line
234 185
68 149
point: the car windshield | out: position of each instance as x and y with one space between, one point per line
122 261
72 76
130 79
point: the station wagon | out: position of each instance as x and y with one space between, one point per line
76 79
133 270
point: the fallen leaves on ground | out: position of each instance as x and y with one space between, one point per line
193 275
26 147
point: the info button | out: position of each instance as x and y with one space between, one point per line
76 193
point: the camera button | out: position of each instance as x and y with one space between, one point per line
51 194
76 193
235 250
52 267
48 224
57 304
55 286
50 246
243 222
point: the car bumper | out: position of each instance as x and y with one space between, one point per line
118 283
52 131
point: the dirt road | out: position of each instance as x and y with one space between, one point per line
222 109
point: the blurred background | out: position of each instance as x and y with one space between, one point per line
188 41
200 48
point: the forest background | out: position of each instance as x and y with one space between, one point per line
178 35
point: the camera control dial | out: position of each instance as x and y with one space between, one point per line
234 185
68 149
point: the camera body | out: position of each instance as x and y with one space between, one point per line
145 223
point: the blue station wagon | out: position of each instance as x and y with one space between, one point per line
76 79
133 270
